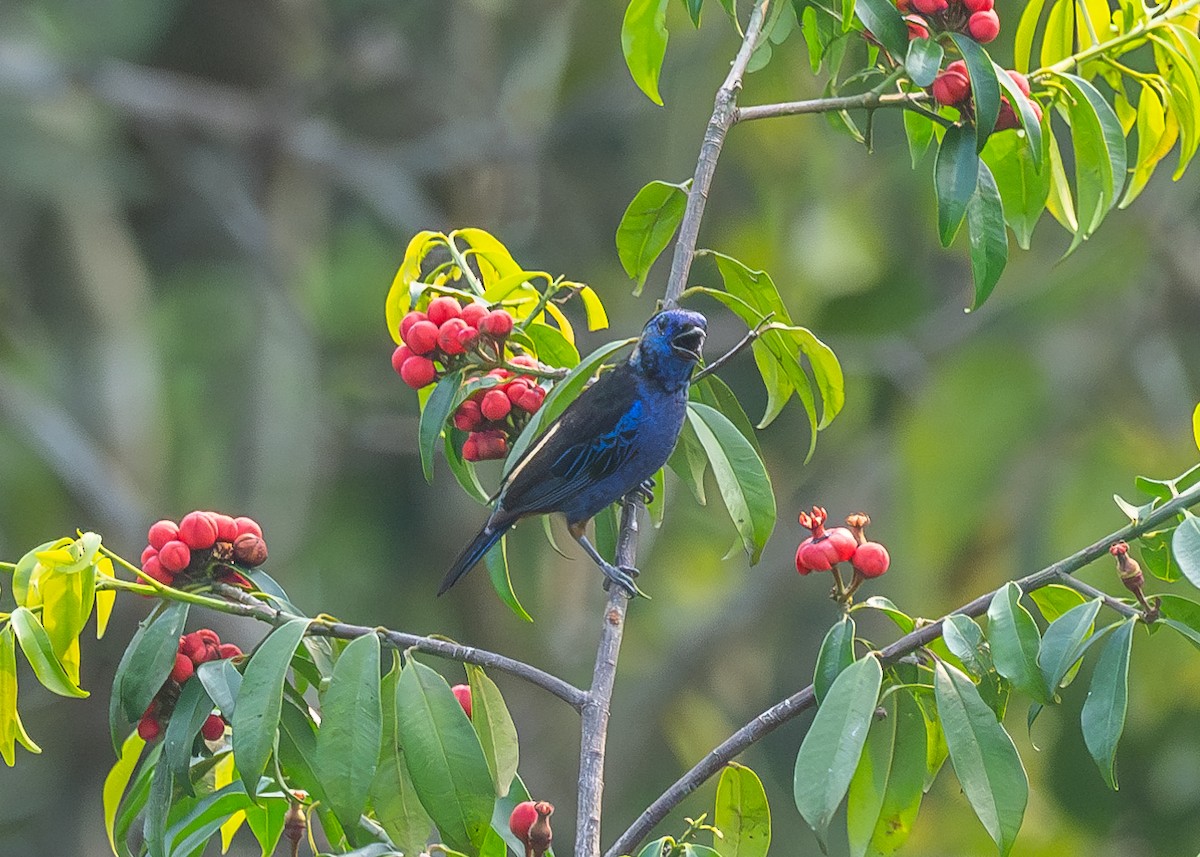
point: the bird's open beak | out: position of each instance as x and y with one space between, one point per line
689 342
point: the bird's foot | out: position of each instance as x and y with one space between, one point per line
646 491
623 576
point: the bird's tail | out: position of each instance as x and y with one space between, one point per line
473 553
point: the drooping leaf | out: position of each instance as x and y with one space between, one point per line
1185 547
741 813
918 129
433 418
836 653
884 605
956 175
496 561
1026 29
553 348
715 393
223 682
40 653
1099 153
1058 39
985 88
256 717
191 710
117 781
830 751
189 834
154 816
1022 104
1103 714
988 238
884 21
923 61
964 638
495 728
393 798
1014 639
1064 641
644 42
144 667
646 227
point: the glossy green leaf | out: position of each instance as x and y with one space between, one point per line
188 835
256 719
393 798
223 682
964 638
886 790
885 23
553 348
444 757
1026 30
830 751
1063 642
266 821
918 130
741 813
1055 599
923 61
985 761
1103 715
689 462
433 418
985 88
134 802
693 7
741 476
647 226
1014 640
144 667
11 728
496 562
35 643
495 728
1031 138
154 816
1058 38
955 177
1185 547
1181 614
988 237
1059 203
116 781
1099 153
715 393
884 605
837 653
1155 552
644 42
191 710
348 739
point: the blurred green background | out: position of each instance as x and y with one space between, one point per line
202 205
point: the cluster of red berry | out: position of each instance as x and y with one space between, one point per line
444 333
493 415
824 549
530 823
976 18
952 87
195 648
203 542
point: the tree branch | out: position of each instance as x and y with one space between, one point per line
596 708
723 116
1090 591
784 711
864 100
236 602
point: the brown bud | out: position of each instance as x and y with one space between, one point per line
858 524
250 550
294 826
540 833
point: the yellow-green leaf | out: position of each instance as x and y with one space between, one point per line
399 297
106 599
38 650
644 43
117 781
493 258
741 813
1196 426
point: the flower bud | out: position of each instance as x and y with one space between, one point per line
250 550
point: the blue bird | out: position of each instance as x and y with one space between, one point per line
604 445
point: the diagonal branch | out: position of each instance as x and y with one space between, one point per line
778 714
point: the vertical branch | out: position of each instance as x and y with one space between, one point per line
723 116
594 728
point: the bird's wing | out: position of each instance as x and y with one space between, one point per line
589 441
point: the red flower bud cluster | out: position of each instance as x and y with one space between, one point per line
825 548
952 87
442 334
203 542
194 649
495 415
976 18
530 823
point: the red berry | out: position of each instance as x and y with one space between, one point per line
147 553
495 405
228 650
496 373
162 532
227 529
213 728
209 636
468 337
183 669
198 530
418 372
930 7
1007 117
526 361
842 542
813 556
522 818
191 647
174 556
979 5
871 559
402 353
422 337
984 26
532 400
148 727
916 30
497 323
470 448
468 416
248 525
448 335
462 693
152 568
1021 81
408 321
472 314
516 389
951 88
441 310
492 445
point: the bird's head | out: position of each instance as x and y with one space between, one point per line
669 346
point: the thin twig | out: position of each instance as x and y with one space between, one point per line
1126 610
723 116
751 335
784 711
596 708
862 100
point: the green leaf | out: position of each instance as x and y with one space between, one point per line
1058 39
433 418
1055 599
988 238
964 639
886 790
837 653
496 561
223 682
985 761
1064 642
144 667
1181 614
1014 640
495 728
923 61
955 177
715 393
266 822
1185 547
444 757
1103 715
884 605
189 834
689 462
883 20
67 595
985 88
741 477
1023 190
348 739
1059 202
741 813
831 749
11 728
1026 30
1155 550
116 782
646 227
131 808
191 710
256 719
393 796
553 348
1031 125
1099 153
158 805
40 653
693 7
644 42
918 129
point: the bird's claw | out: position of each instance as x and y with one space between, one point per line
623 576
646 491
